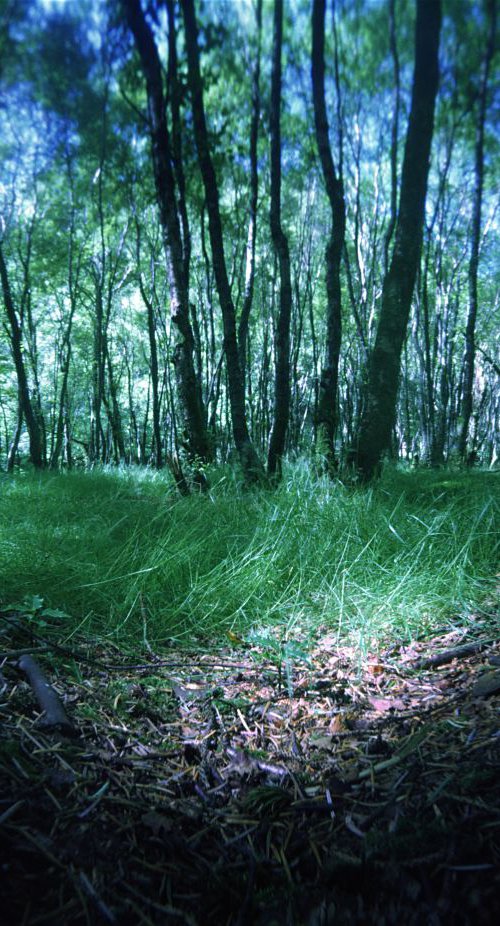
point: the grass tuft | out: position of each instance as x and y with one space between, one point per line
125 559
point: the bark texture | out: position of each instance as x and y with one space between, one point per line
379 414
280 243
27 411
248 456
328 387
254 192
475 235
188 386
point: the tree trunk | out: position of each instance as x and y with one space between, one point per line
394 133
379 414
14 443
189 389
280 243
475 235
254 192
328 385
248 456
153 352
15 336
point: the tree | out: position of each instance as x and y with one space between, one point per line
378 419
189 388
280 243
249 460
252 210
470 346
26 408
328 388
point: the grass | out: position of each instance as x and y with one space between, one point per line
127 560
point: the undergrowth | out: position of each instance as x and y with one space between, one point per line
125 559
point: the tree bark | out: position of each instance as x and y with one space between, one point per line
15 336
254 192
475 236
248 456
153 352
189 389
379 414
280 243
328 385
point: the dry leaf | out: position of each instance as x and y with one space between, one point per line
386 704
337 725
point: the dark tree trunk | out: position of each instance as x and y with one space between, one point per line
15 336
97 440
394 134
175 104
328 385
63 394
248 456
280 243
113 411
187 383
254 192
475 235
153 353
14 443
65 349
379 414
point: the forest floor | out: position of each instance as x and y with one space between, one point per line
230 788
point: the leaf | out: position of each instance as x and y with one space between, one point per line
386 704
320 740
337 725
32 603
56 613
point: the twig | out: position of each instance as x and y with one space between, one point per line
440 659
55 715
92 893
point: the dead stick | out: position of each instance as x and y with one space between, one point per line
440 659
55 715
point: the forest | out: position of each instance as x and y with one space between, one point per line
249 462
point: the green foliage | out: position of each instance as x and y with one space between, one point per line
120 554
32 610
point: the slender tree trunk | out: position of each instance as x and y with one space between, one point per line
280 243
15 336
97 440
394 134
254 192
113 411
470 331
189 388
380 410
328 385
248 456
153 353
14 443
63 393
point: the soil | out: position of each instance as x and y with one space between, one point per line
290 786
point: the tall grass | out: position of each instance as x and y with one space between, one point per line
125 558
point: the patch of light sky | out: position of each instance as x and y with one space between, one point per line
51 5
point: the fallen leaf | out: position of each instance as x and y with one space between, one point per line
386 704
337 725
320 740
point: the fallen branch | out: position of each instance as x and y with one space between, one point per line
55 715
440 659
